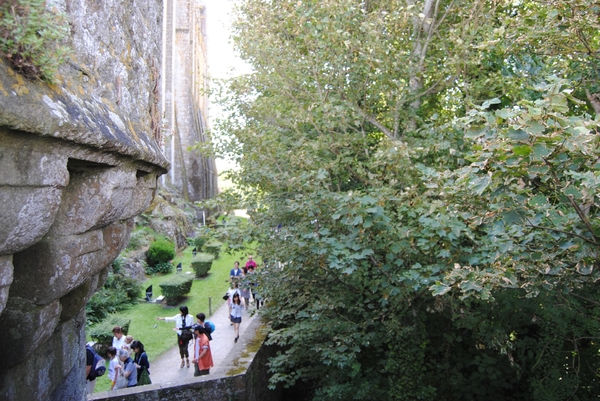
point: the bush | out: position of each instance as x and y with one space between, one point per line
117 264
199 242
118 293
102 334
139 238
213 248
175 288
160 268
160 251
201 263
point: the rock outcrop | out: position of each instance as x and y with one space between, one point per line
78 160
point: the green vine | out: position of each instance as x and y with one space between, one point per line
31 37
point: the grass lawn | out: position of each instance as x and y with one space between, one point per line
158 336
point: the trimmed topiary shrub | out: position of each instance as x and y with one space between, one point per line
176 288
213 248
102 334
201 263
162 250
199 242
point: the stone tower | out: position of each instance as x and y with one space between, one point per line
185 81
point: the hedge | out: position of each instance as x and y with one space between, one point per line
201 263
213 248
175 288
199 242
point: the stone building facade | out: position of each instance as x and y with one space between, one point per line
185 100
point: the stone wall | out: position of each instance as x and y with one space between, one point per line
78 160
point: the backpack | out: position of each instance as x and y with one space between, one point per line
210 326
98 366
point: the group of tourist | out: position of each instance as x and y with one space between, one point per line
238 298
123 370
186 331
128 362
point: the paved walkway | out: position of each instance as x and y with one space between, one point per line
165 369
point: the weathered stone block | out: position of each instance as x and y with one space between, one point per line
6 279
142 196
96 196
59 265
28 213
26 327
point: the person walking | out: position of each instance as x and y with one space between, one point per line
245 293
141 363
253 289
232 290
237 305
249 263
236 273
183 325
203 360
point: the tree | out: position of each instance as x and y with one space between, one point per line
423 227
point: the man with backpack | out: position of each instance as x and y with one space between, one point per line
209 326
95 366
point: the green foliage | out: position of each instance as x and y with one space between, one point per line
430 191
214 248
31 37
201 263
140 237
175 288
160 251
160 268
119 293
199 242
102 332
117 264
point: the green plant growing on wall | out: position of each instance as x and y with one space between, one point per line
31 37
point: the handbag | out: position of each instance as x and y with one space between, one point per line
225 297
144 378
122 381
186 335
196 370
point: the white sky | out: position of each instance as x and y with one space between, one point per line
222 61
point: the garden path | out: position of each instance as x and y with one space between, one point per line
165 369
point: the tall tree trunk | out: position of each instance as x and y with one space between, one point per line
423 27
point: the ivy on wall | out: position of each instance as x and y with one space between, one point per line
32 37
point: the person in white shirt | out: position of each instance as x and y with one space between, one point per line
119 338
237 305
183 325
